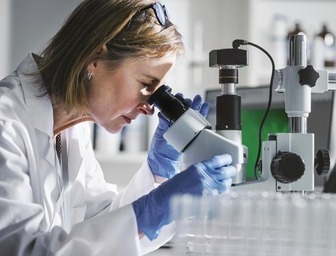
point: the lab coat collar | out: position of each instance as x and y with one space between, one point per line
39 107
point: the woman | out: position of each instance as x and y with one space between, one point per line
102 66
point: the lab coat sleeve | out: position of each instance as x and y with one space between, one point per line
99 199
21 219
141 184
106 235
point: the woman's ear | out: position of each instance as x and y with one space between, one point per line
93 64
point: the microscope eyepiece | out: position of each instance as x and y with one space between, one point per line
169 105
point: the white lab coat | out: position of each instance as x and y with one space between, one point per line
98 221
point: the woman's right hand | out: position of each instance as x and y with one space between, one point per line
209 177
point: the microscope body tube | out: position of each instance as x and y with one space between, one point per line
228 125
191 135
228 115
228 105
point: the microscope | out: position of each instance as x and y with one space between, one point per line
191 134
288 160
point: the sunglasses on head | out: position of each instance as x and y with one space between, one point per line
160 13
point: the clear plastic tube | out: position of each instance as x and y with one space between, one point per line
255 223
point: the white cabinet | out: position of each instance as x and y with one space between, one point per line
120 168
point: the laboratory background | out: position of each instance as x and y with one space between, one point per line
206 25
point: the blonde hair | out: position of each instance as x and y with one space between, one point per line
124 26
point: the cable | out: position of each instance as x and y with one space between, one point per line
235 44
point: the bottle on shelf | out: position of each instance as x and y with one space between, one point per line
278 39
324 50
296 31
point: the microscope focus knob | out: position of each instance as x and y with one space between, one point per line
308 76
287 167
322 162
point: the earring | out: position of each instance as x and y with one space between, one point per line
89 75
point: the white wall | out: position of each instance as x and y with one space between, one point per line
205 25
26 26
4 39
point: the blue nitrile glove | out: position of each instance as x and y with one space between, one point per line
204 178
163 159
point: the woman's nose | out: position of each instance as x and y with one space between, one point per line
146 109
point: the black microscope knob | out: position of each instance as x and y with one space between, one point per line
287 167
308 76
322 162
